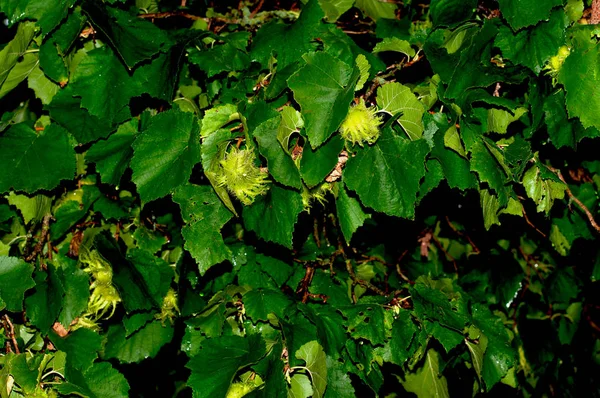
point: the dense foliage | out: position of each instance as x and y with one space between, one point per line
334 198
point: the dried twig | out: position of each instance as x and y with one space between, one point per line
463 235
304 285
10 333
363 283
43 236
160 15
583 207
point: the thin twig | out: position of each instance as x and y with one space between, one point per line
257 9
363 283
43 236
463 235
10 332
583 207
160 15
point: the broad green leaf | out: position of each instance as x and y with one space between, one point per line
428 381
499 356
534 46
394 99
329 323
451 12
259 303
386 175
522 13
15 280
134 39
217 117
562 130
204 215
350 213
273 216
363 66
452 140
291 122
21 71
10 54
32 209
580 75
403 331
499 119
31 161
81 345
300 386
339 383
446 307
316 164
44 305
477 351
316 363
101 380
366 322
487 162
324 88
72 209
543 191
490 206
44 88
396 45
220 58
155 272
377 9
333 9
48 14
112 155
76 286
143 344
165 153
218 361
574 10
136 321
454 40
279 162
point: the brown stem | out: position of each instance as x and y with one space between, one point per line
365 284
257 9
583 207
10 333
43 236
159 15
304 285
463 235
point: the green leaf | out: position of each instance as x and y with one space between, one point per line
312 353
15 280
10 54
21 71
396 45
300 386
70 211
48 14
377 9
324 88
477 351
533 47
134 39
32 209
427 381
486 161
161 162
363 66
143 344
543 191
101 380
403 331
220 58
30 162
44 305
81 345
204 215
522 13
112 155
451 12
291 122
499 356
452 140
386 175
350 213
217 117
76 286
333 9
273 216
579 75
217 363
280 164
339 384
316 164
260 303
499 119
432 303
394 99
365 322
490 206
562 130
155 272
44 88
